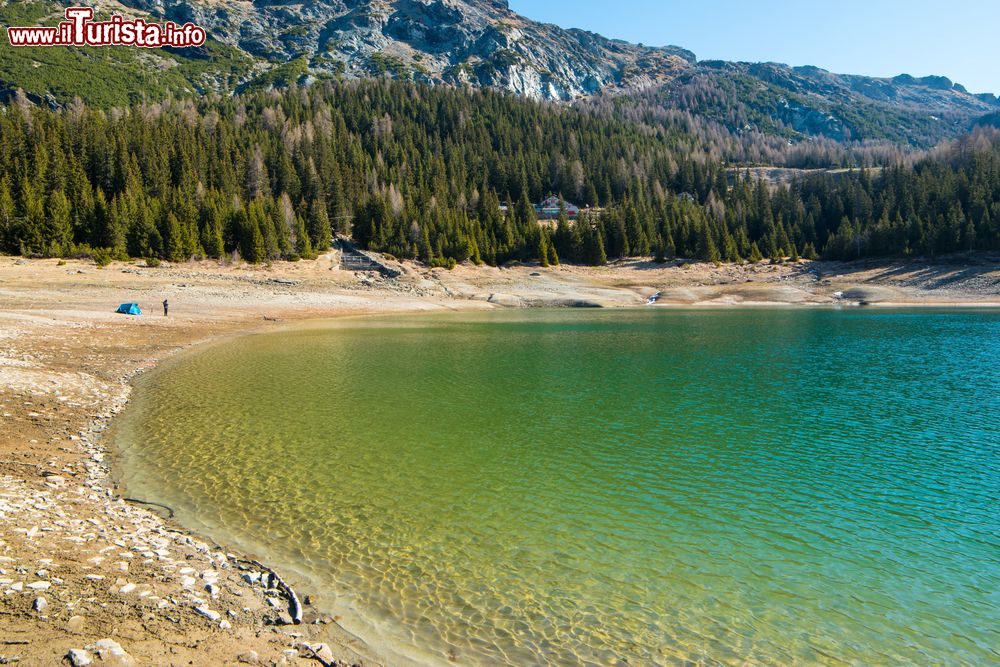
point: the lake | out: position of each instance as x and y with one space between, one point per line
635 487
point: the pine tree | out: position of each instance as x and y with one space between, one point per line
303 243
600 257
8 233
553 254
32 220
669 247
474 252
211 230
543 250
524 212
707 250
58 228
563 238
320 232
730 252
660 256
173 237
426 249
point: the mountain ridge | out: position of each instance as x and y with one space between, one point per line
484 43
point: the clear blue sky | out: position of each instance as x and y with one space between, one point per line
959 39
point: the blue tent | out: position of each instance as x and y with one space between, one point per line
129 309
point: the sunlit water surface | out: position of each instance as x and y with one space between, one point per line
645 487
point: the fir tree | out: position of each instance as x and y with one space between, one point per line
320 230
303 243
9 241
58 226
543 250
707 250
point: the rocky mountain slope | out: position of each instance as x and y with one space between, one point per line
484 43
479 42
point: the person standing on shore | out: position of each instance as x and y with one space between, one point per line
166 307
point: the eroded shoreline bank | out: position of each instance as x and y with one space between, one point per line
79 565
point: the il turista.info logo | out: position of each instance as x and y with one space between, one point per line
79 29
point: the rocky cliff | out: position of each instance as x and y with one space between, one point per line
478 42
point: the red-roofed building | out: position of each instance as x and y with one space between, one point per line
549 209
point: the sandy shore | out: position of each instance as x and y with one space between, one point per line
84 570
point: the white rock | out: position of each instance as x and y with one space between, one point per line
39 586
40 604
79 658
321 651
208 613
225 625
127 588
112 653
249 658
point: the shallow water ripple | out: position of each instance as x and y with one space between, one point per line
718 487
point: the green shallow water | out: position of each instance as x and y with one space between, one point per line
764 487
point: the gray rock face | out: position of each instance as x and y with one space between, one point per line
478 42
810 101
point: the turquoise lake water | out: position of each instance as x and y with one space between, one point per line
765 487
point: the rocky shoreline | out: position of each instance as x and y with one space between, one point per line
127 561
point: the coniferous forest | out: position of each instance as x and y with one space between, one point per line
421 172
